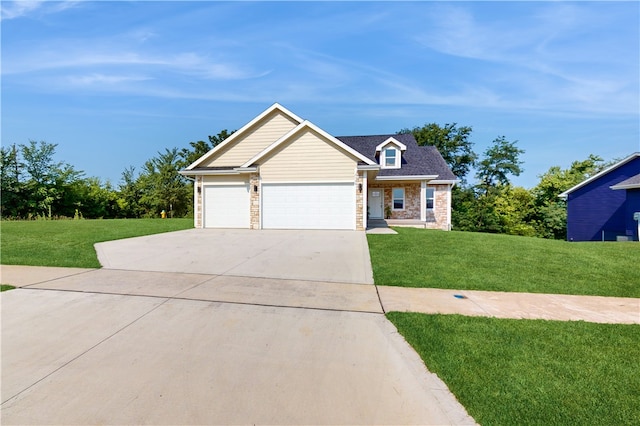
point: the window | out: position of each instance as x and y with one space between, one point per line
390 157
431 198
398 198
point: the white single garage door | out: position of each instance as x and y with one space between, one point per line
309 206
226 206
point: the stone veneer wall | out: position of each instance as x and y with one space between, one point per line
254 200
411 199
198 192
436 218
359 202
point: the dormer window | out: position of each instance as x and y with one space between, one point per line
391 158
390 152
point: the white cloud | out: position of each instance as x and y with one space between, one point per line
18 9
103 79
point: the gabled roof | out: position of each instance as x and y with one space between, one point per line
632 183
243 130
393 141
310 126
416 160
608 170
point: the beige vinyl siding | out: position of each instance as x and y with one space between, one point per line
309 158
263 134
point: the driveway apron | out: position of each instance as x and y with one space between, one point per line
73 357
214 327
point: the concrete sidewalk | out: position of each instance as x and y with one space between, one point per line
560 307
328 295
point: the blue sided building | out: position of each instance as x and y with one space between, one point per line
602 208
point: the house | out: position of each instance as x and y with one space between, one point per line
280 171
603 206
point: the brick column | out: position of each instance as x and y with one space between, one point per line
359 202
198 191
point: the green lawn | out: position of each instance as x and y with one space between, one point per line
70 243
532 372
475 261
5 287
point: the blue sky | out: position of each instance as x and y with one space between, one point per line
112 83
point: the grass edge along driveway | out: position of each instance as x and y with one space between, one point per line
476 261
69 243
531 372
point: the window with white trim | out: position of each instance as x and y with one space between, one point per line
398 198
390 157
430 196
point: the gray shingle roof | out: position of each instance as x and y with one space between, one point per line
416 160
632 182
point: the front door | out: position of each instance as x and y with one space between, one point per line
374 203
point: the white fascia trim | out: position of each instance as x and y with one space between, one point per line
246 169
307 182
368 167
309 125
566 193
630 186
394 141
208 172
423 177
442 182
243 129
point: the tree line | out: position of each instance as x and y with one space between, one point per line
492 203
35 185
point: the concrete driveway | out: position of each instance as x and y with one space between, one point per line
90 347
213 327
327 256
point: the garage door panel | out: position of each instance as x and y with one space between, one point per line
226 206
308 206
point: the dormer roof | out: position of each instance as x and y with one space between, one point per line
416 160
393 141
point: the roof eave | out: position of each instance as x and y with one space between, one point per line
368 167
566 193
629 186
208 172
408 177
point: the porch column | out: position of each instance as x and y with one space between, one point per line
423 200
365 199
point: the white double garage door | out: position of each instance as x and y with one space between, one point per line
283 206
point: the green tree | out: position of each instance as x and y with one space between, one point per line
452 142
162 187
46 179
129 195
199 148
500 160
514 206
550 215
11 189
